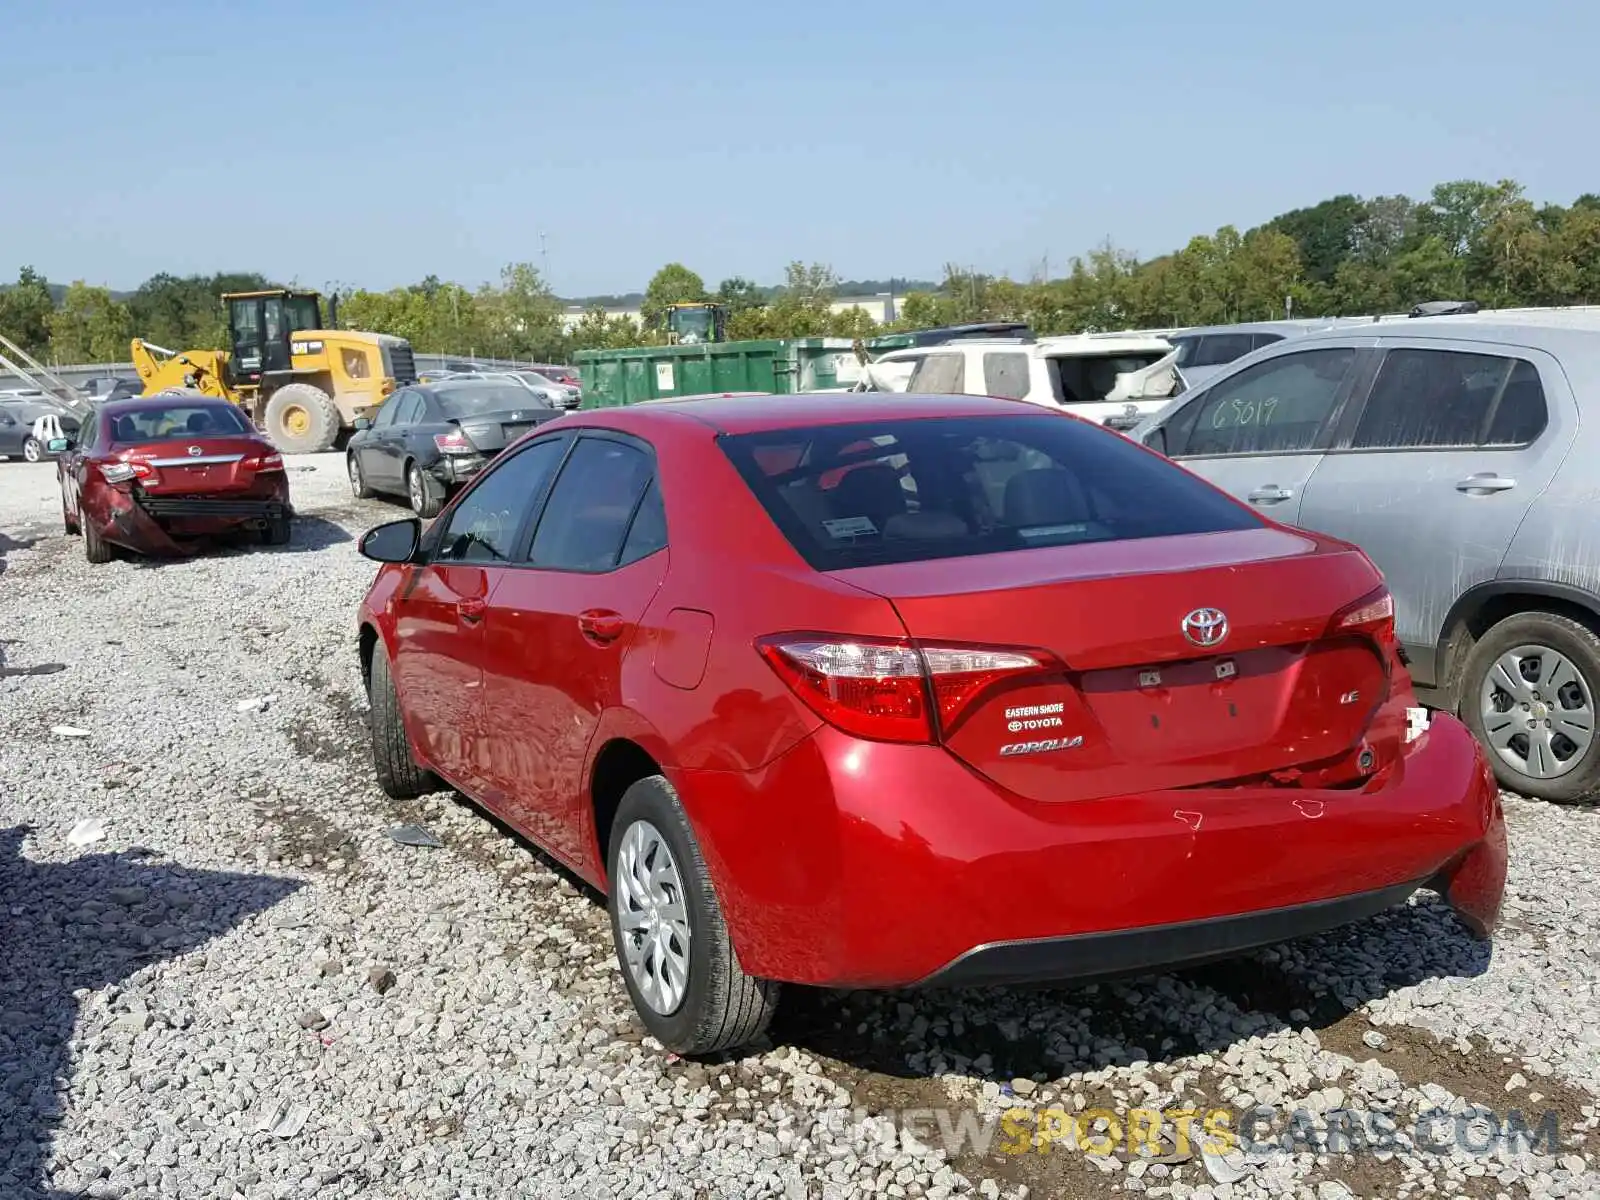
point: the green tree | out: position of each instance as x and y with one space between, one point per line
738 295
672 284
89 326
25 310
1326 234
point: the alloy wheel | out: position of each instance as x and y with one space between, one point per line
1538 711
31 450
654 918
355 475
414 486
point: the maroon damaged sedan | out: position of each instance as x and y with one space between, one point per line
162 474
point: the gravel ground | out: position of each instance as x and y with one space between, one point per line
246 988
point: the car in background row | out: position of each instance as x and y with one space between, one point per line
112 387
541 387
1111 379
164 474
887 690
1455 451
17 419
430 438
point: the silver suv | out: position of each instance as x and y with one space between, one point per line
1453 452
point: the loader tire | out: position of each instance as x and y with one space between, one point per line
302 419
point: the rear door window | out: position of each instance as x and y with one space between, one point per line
1438 399
1006 374
911 490
1280 406
940 375
1218 349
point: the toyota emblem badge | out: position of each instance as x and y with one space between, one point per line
1206 627
195 451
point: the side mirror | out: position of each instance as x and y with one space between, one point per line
362 424
393 542
58 445
7 419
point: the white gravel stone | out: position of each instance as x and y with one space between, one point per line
245 987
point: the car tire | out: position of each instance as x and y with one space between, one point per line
302 419
95 548
397 771
1535 757
32 451
68 522
718 1007
424 491
359 488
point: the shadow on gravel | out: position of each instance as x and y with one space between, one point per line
310 534
8 544
1156 1018
88 923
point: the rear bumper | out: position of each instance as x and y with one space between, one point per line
856 864
1090 956
454 469
155 524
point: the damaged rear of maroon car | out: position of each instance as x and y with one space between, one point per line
165 474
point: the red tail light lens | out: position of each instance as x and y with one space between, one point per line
126 472
890 690
454 442
264 462
1372 615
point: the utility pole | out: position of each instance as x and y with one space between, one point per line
544 258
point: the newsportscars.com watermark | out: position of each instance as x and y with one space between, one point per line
1188 1131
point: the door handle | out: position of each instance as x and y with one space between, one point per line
1271 494
600 625
1485 483
471 610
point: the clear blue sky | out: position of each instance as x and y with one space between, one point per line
381 142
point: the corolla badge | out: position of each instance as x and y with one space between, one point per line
1206 626
195 451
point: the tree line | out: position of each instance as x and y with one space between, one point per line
1348 255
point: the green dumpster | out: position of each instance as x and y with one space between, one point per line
776 365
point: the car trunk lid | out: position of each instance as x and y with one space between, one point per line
1129 701
490 433
203 467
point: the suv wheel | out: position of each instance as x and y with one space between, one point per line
1528 693
671 941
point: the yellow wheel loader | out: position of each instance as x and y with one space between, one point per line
302 383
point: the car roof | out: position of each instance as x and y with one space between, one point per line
1557 333
757 413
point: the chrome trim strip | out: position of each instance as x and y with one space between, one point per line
199 461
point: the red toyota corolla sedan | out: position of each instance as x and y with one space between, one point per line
866 692
156 474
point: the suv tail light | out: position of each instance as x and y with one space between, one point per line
891 690
454 442
263 462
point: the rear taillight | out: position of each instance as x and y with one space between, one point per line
891 690
454 442
123 472
263 462
1372 615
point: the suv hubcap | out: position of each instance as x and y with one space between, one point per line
653 917
1538 711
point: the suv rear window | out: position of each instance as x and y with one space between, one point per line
909 490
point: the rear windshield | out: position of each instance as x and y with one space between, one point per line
180 421
907 490
476 399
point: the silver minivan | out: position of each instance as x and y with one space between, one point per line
1452 451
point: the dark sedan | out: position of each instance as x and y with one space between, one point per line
429 439
17 418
